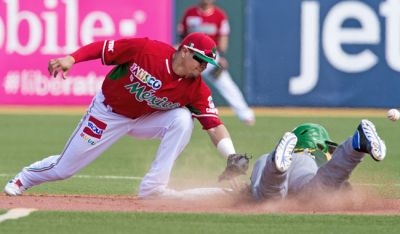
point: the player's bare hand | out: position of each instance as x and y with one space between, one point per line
62 65
223 62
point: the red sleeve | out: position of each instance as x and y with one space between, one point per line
224 28
203 108
224 16
88 52
122 51
111 52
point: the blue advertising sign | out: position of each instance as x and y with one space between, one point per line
323 53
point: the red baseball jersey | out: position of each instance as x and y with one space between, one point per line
213 22
143 81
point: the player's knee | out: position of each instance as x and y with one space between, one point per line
183 120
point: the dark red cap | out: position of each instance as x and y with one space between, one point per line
202 45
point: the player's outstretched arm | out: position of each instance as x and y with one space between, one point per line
85 53
222 140
237 164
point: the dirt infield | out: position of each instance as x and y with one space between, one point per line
355 202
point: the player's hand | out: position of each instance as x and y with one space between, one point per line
237 164
62 65
223 62
223 65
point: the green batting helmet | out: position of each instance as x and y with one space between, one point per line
314 137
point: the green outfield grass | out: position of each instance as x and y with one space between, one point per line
100 222
28 138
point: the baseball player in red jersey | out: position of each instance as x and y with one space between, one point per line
153 91
211 20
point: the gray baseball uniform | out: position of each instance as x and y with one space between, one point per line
268 182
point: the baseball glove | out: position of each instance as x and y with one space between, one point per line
217 70
237 164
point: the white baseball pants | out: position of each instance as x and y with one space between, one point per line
173 128
230 92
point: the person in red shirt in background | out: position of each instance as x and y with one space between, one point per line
152 91
211 20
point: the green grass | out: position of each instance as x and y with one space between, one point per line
111 222
28 138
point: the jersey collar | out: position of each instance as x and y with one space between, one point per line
168 63
208 12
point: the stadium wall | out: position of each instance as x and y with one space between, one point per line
323 53
282 53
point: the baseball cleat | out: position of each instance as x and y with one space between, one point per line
249 122
367 140
247 117
283 152
14 187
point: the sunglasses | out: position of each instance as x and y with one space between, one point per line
198 59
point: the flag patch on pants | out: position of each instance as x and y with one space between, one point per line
95 127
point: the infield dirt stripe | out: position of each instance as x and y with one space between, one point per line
223 111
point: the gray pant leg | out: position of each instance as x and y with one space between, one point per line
303 175
267 182
301 172
337 170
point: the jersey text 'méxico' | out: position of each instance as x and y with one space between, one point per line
143 81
